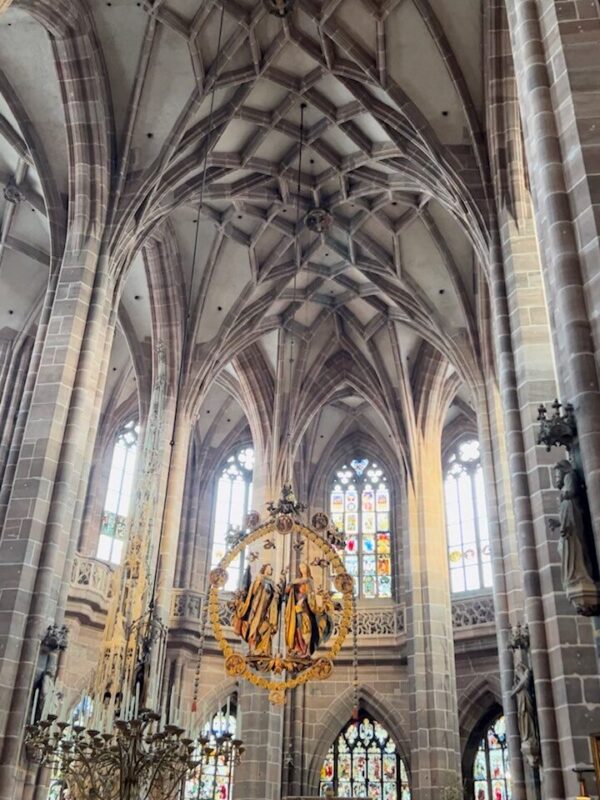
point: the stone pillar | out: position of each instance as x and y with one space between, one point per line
562 644
15 367
168 522
435 752
507 576
43 503
539 56
258 777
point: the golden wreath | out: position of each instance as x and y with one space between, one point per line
236 663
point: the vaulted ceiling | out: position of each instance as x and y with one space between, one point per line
204 116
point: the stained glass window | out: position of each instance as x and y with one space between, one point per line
118 495
360 506
491 771
215 780
466 521
364 762
234 496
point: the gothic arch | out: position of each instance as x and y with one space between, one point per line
337 716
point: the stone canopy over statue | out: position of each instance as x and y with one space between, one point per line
259 618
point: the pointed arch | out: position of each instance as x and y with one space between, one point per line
339 713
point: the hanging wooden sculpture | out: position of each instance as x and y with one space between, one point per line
290 623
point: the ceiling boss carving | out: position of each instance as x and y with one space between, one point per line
285 621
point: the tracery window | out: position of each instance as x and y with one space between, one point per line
491 772
359 503
233 499
364 762
466 521
215 781
118 495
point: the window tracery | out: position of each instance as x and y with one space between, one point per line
113 528
491 771
469 553
359 504
364 762
233 499
216 779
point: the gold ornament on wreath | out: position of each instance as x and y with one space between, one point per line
287 623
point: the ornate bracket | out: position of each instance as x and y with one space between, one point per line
56 639
559 430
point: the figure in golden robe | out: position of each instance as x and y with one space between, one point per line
308 618
256 614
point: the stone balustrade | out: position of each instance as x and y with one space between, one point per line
92 574
372 620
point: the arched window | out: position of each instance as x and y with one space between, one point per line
214 781
359 503
233 499
364 762
466 521
491 772
118 495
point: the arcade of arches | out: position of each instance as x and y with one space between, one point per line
166 312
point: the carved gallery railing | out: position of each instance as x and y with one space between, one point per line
472 611
92 574
378 621
375 621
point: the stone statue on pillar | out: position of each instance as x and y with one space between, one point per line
524 693
576 559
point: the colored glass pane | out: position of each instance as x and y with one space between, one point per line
214 780
368 500
369 565
383 521
382 499
337 502
351 500
351 563
338 521
384 583
360 507
384 566
369 586
368 543
365 763
351 523
368 525
491 771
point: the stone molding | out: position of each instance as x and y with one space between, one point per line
373 621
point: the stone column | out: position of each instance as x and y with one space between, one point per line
507 576
168 522
435 743
562 644
258 777
538 58
35 545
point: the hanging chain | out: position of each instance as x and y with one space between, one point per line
355 699
201 640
